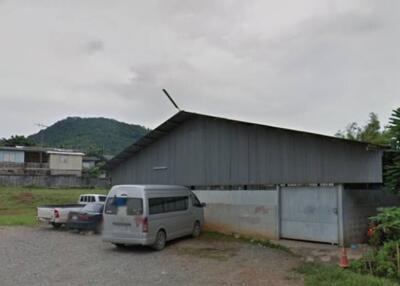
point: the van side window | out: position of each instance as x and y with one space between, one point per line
169 204
176 204
156 206
134 206
111 206
102 198
195 201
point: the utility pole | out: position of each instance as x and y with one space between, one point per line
41 141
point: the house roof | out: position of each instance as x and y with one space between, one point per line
91 158
182 116
42 149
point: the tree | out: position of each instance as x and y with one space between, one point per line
394 129
392 165
17 140
371 132
351 132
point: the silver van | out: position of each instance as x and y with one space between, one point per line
150 215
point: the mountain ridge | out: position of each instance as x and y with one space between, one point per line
90 134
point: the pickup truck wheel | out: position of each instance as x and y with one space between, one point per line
196 229
161 239
56 225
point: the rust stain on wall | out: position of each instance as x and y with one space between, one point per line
261 210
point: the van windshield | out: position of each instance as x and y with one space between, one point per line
133 206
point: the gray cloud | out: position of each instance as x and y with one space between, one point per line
313 65
94 46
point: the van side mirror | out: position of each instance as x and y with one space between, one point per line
203 205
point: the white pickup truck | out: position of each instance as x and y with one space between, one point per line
57 215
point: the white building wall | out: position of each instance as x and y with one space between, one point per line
247 212
65 164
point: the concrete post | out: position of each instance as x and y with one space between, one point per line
340 190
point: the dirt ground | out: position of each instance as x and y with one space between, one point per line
44 256
322 252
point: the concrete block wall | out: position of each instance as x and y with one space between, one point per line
53 181
247 212
358 205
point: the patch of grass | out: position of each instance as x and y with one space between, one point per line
234 237
330 275
27 219
18 205
209 252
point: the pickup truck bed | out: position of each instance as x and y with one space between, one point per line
56 215
63 206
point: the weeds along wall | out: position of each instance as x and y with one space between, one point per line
53 181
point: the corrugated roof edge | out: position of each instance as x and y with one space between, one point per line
182 116
40 149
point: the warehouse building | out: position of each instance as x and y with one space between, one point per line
261 180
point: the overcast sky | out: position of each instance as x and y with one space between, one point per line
309 65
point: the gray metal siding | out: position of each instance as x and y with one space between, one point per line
209 151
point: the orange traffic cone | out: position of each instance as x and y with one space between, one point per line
344 261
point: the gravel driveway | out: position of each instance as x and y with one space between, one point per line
44 256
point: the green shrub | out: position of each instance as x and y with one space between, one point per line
383 262
387 223
330 275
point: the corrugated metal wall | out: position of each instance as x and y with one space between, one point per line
209 151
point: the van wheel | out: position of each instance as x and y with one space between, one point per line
161 239
196 229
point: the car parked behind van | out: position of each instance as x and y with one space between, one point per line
90 217
57 215
151 215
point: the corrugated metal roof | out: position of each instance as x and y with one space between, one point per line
42 149
65 153
182 116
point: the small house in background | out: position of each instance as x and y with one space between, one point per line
89 162
40 161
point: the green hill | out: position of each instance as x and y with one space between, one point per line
90 135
